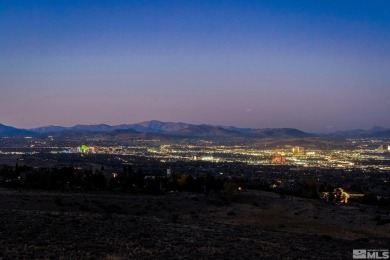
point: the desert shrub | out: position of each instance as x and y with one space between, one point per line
84 207
370 199
231 213
58 201
230 189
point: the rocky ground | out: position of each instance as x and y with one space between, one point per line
254 225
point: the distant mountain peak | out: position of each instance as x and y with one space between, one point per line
12 131
373 132
378 128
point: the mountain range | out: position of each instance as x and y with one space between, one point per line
188 130
174 129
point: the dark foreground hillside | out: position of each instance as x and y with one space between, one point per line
184 226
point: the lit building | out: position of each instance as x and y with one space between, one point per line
279 159
83 149
298 150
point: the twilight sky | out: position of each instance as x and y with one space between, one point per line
313 65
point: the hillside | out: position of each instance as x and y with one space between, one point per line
255 225
12 131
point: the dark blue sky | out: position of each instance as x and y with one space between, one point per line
313 65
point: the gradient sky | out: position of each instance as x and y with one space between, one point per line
313 65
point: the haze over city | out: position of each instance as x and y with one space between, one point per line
317 66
